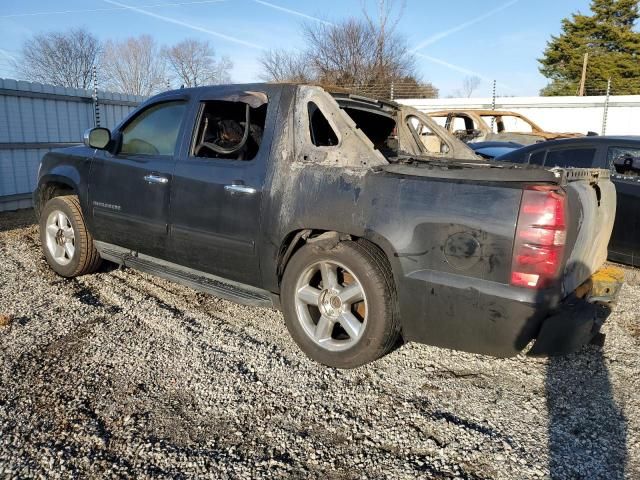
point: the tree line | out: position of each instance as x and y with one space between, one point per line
136 65
364 54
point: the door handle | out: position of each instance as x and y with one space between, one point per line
239 188
153 178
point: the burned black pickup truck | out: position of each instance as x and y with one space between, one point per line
286 196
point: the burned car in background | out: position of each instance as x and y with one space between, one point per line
407 129
494 125
619 155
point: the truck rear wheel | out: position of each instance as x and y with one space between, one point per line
339 303
66 242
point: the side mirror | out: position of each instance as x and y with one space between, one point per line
97 138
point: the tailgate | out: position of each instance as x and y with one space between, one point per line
591 212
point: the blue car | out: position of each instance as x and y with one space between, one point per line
491 150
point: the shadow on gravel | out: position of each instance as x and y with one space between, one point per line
17 219
587 430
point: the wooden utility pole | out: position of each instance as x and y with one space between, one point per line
583 79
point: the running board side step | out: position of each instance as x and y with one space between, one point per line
201 281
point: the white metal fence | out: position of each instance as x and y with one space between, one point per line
36 118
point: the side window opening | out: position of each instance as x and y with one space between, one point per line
154 131
230 130
379 129
441 121
537 158
624 161
427 139
508 123
463 128
320 130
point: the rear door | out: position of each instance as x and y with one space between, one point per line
217 196
625 240
129 190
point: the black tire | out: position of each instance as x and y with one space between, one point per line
85 258
370 268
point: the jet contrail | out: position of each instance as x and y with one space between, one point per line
460 69
7 55
293 12
439 36
187 25
93 10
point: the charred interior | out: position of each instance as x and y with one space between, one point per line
379 129
321 131
230 130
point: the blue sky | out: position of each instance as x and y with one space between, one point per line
498 39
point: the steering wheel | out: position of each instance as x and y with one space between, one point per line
227 150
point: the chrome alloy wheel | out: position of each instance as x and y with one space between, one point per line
60 237
331 305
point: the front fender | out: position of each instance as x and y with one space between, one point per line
67 168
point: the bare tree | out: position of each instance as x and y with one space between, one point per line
194 64
391 56
342 53
360 51
469 85
285 66
366 55
60 58
223 70
134 66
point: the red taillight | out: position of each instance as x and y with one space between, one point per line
540 237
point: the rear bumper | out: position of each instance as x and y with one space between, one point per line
578 319
476 316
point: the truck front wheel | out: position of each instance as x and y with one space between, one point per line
338 304
66 242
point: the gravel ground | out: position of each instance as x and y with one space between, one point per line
121 374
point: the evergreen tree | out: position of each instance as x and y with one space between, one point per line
608 36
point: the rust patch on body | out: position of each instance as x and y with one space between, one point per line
605 283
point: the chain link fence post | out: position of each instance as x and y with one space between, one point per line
606 108
96 104
493 104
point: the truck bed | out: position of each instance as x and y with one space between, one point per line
591 195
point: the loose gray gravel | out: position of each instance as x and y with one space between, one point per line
121 374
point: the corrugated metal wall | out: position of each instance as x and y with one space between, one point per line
36 118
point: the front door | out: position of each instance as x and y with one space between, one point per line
218 186
129 189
